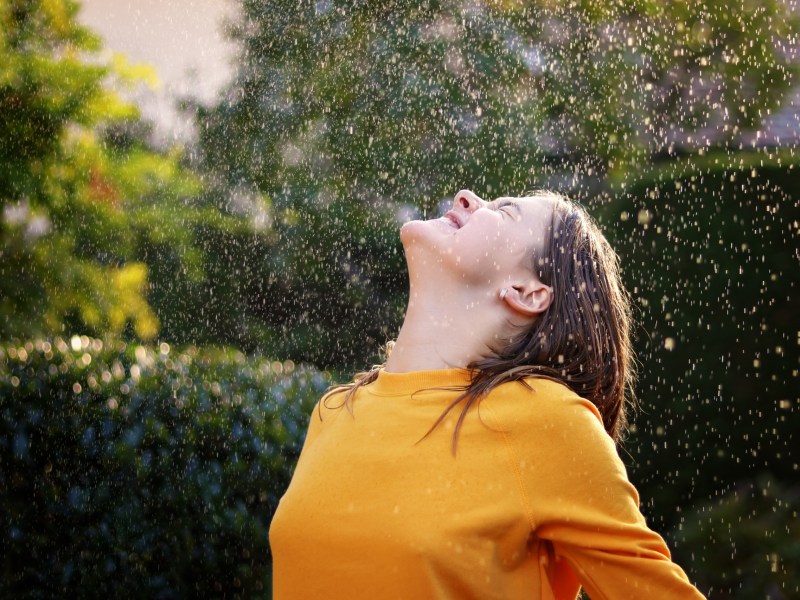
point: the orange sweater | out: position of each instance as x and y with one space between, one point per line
534 504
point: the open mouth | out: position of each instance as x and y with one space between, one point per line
453 218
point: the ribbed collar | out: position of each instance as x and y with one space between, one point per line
404 384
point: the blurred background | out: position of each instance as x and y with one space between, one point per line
199 232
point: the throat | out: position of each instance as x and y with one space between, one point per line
443 334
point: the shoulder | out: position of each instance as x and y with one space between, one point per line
331 403
548 415
551 427
537 401
328 407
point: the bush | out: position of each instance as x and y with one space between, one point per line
142 471
746 543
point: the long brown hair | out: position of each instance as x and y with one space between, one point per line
583 338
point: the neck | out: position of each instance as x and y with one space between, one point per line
445 327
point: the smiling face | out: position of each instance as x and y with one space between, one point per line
483 242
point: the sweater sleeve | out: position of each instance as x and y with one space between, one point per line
580 500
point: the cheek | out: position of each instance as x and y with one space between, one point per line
486 228
498 239
511 253
516 247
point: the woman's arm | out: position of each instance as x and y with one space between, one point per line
580 500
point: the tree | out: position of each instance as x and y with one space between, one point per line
99 233
354 115
351 116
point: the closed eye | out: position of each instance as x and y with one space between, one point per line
508 207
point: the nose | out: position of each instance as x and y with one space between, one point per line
467 200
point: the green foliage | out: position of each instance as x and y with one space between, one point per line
346 119
746 544
82 203
708 247
714 292
351 115
100 233
142 471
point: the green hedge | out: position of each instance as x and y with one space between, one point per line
744 544
143 472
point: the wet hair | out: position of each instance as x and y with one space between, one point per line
581 340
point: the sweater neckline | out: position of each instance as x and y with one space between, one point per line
404 384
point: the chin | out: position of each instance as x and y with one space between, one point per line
413 231
433 232
429 250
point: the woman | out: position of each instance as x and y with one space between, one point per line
480 461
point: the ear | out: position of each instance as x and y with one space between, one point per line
529 299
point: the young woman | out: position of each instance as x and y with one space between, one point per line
480 461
